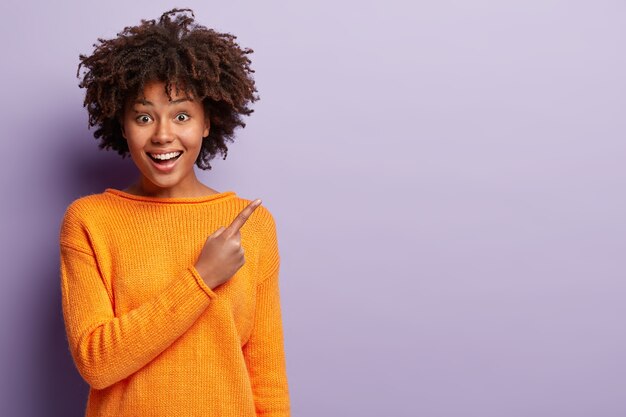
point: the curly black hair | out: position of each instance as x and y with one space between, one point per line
175 50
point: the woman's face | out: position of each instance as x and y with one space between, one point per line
167 131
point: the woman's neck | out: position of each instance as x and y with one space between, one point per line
197 190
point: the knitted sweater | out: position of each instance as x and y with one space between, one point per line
146 332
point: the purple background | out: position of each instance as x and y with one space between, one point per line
448 183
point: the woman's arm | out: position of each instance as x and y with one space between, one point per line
105 348
264 351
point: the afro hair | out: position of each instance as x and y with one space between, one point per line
175 50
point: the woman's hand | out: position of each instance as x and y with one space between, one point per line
222 254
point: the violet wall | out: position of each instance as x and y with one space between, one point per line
448 183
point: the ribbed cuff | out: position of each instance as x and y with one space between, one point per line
201 282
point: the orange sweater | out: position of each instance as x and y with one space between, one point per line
145 331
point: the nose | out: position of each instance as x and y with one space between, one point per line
163 132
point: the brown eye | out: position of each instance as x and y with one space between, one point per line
143 118
182 117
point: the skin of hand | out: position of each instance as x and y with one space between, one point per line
222 254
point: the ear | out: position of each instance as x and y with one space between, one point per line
120 120
207 127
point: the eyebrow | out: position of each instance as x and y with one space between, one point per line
149 103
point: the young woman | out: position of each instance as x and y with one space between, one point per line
170 288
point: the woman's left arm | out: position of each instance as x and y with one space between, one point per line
264 351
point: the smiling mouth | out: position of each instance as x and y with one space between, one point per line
164 161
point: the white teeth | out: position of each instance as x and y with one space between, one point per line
164 156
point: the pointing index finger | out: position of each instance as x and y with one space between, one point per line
241 218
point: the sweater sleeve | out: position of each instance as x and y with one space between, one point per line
264 351
108 348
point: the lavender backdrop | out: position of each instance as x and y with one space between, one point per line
447 178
